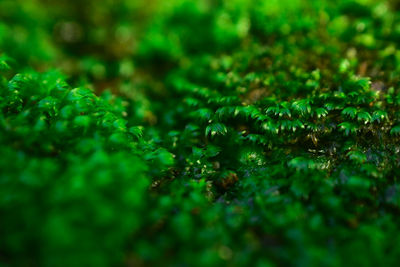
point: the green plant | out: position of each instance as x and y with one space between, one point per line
270 133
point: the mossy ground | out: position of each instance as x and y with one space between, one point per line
199 133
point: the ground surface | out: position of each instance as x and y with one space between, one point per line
199 133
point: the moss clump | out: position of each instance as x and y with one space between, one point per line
270 133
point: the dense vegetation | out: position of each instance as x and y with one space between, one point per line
199 133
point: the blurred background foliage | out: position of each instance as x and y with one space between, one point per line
199 133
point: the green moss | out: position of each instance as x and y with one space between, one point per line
270 133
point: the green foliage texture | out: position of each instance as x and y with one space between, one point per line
199 133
